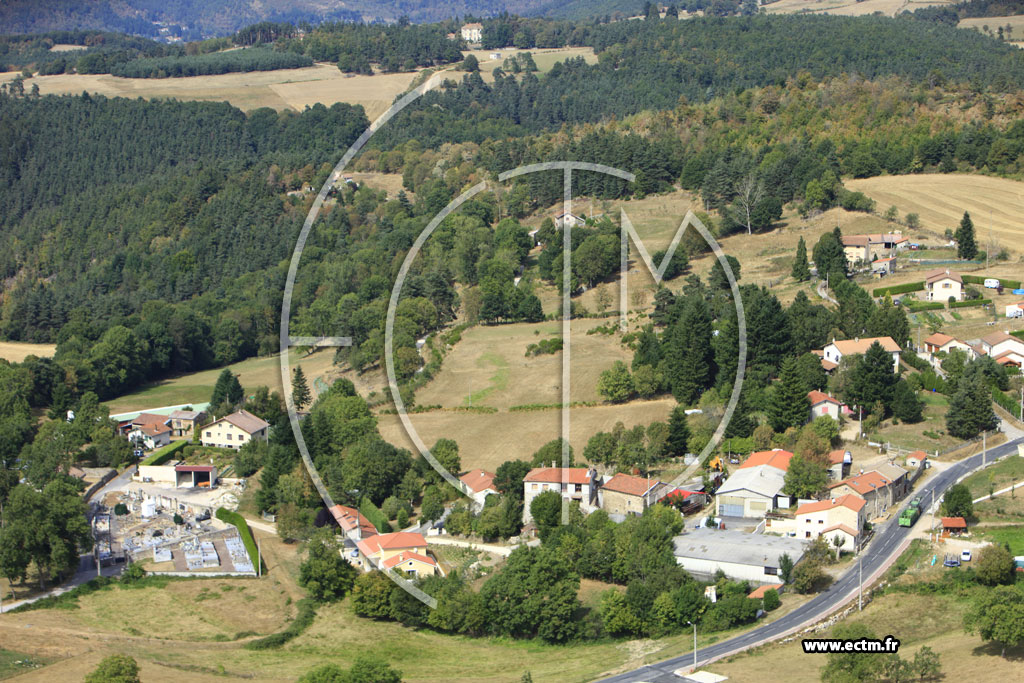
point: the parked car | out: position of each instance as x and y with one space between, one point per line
965 555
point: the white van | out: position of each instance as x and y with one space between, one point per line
991 283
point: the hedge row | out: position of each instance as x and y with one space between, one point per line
302 621
1019 334
899 289
375 515
1007 403
925 306
159 457
970 302
243 530
980 280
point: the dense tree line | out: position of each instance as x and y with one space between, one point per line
395 47
100 48
646 65
249 59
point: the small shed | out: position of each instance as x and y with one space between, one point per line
954 526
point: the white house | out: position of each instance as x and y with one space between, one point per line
843 516
1004 348
153 435
574 483
942 284
563 219
472 33
234 430
835 351
1015 310
741 556
480 484
823 404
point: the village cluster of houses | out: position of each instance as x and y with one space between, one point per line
403 551
1004 348
153 430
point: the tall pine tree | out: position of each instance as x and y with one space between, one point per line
678 432
966 247
789 405
300 389
689 357
872 379
801 271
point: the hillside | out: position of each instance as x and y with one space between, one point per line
195 19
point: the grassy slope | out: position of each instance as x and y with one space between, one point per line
197 387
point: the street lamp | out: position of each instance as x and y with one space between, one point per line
690 623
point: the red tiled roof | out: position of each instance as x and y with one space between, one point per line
349 518
855 346
954 523
828 365
478 480
153 429
630 485
817 397
193 468
841 527
400 539
938 339
759 592
778 459
837 456
150 419
942 274
862 483
849 501
403 557
554 475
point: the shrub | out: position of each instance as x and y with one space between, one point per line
899 289
160 456
969 302
239 522
374 514
120 509
925 306
771 600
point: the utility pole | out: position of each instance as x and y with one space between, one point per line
690 623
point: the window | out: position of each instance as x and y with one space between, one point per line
208 434
228 437
773 571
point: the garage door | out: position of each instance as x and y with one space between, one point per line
730 510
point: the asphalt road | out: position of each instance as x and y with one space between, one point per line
883 548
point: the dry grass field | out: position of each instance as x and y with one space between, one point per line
851 7
543 58
941 199
197 386
916 620
177 635
281 89
490 364
16 352
487 440
1016 24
